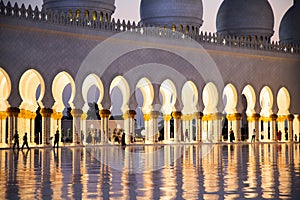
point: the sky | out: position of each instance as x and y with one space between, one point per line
129 10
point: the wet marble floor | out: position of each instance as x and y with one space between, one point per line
206 171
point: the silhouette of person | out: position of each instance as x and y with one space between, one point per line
123 139
25 142
16 139
56 139
253 136
231 135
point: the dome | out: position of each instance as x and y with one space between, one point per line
289 31
171 12
253 18
100 6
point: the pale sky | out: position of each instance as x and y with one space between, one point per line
129 10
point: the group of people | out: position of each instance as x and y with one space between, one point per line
25 141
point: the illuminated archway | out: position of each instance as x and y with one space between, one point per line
121 83
60 81
283 101
230 99
169 96
266 101
249 93
210 98
5 89
30 81
89 81
146 88
189 97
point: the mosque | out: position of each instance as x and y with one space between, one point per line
200 86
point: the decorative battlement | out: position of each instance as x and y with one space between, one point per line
90 22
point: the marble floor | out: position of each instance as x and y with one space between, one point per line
205 171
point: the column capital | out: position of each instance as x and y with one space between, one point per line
147 117
56 115
46 112
216 116
104 113
3 115
234 116
281 118
188 117
177 115
254 117
13 111
129 114
84 116
273 117
199 115
154 114
26 114
76 112
167 117
291 117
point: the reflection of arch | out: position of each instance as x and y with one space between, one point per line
5 89
283 101
189 97
169 96
89 81
210 98
230 99
60 81
249 93
28 86
122 84
266 101
148 94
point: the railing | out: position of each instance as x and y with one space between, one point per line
118 26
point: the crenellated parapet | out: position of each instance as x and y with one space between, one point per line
97 22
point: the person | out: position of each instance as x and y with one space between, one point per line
186 135
286 134
231 135
123 140
279 135
56 139
16 139
253 136
25 142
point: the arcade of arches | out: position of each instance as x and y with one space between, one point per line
185 123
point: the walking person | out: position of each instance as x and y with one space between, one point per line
56 139
123 140
25 141
16 139
231 135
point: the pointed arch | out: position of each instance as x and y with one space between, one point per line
121 83
266 101
250 95
169 96
189 97
147 90
210 98
5 89
60 81
89 81
29 83
230 98
283 101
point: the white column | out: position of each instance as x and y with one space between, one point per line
129 125
290 128
273 133
46 115
177 126
167 119
217 129
83 127
199 116
3 116
76 113
104 114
